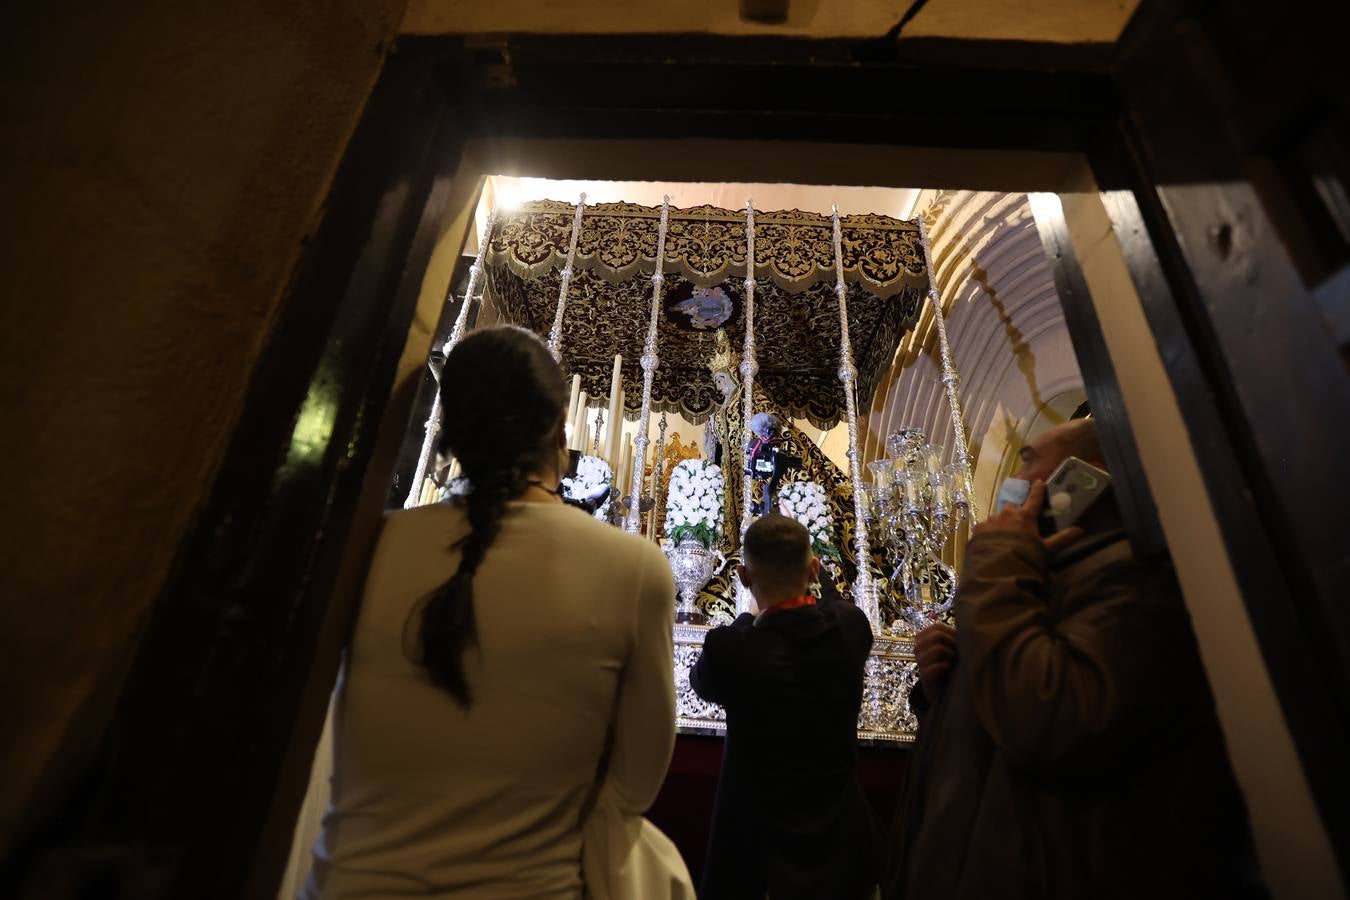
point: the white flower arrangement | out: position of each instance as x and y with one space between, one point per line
807 502
593 476
695 501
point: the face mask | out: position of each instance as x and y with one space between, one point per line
1013 492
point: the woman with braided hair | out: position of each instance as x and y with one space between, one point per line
508 699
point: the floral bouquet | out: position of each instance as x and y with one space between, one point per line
694 504
593 476
806 502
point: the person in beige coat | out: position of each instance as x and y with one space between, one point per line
1068 746
506 711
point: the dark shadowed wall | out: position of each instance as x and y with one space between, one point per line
162 164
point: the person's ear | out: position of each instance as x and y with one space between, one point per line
815 570
744 575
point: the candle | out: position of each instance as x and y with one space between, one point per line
614 434
572 401
579 424
934 458
615 416
913 485
618 427
626 483
653 529
940 491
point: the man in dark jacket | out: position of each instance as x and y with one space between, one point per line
1071 747
790 820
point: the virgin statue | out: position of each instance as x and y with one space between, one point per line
724 440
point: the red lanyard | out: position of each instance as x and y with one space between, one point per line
808 600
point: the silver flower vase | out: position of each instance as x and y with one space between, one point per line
693 564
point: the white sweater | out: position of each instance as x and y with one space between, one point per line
574 631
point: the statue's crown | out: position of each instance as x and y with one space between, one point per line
724 359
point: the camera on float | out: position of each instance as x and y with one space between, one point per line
766 461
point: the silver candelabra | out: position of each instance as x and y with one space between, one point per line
917 506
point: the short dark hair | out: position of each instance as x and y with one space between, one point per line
777 548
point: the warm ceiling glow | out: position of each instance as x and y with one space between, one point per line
508 194
899 203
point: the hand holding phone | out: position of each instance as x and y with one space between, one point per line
1070 492
1027 519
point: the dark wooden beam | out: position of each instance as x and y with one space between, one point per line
1129 481
675 86
1262 389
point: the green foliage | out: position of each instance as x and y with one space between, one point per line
701 532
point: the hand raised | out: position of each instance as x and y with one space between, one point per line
935 653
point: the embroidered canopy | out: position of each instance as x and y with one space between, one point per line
796 311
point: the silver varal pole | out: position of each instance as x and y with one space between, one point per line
555 333
863 593
432 428
749 366
649 364
950 379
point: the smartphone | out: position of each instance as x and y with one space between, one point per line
1070 492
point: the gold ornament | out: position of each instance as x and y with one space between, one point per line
724 360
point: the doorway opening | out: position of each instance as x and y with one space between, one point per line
1008 340
349 363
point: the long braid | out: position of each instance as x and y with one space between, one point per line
449 627
504 395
